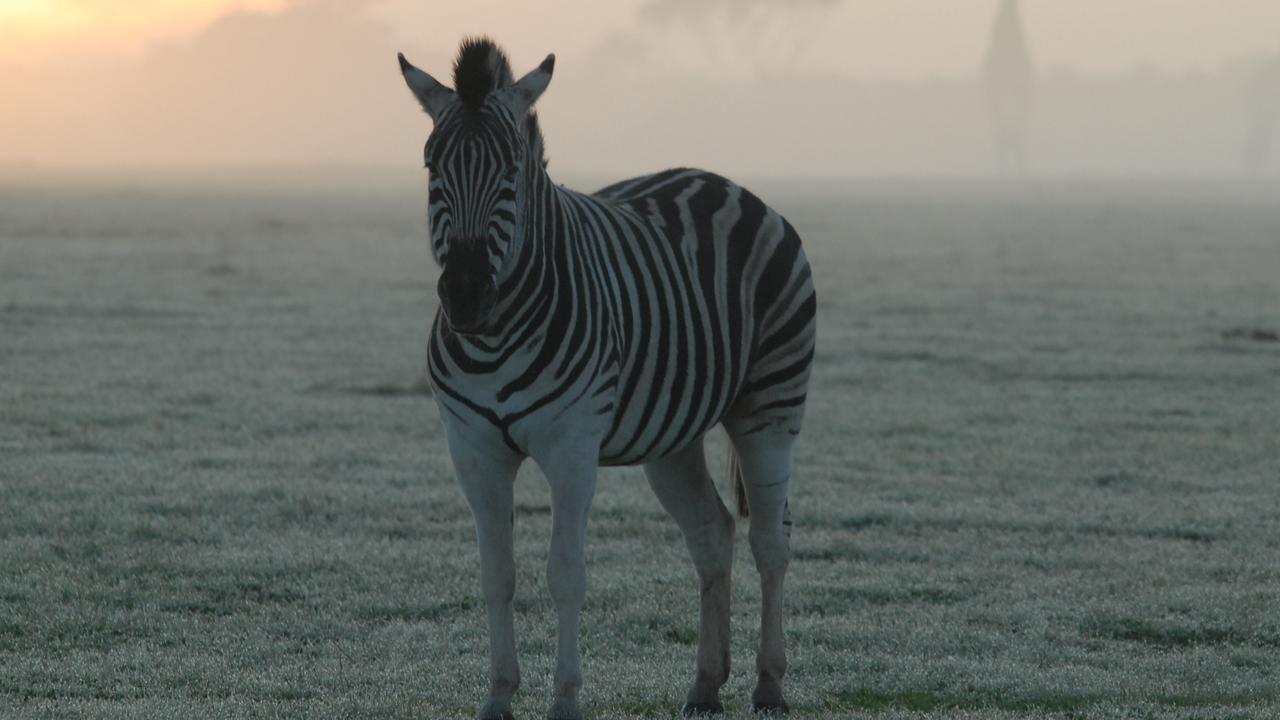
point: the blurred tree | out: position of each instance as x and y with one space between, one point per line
1009 78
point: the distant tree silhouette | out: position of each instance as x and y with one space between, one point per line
756 36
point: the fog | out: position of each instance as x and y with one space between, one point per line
816 88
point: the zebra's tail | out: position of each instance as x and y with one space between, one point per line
735 480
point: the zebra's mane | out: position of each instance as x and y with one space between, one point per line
482 67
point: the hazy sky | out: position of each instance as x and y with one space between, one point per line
110 82
867 37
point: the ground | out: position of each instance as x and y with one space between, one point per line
1037 478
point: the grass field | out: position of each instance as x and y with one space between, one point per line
1040 475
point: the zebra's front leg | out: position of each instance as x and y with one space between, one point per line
572 478
487 479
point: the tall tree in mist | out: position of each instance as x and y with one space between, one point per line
1009 78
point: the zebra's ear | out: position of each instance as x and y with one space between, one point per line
431 94
521 96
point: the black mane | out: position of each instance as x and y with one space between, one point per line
481 68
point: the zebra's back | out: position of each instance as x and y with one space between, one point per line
714 310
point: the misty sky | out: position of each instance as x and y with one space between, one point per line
869 37
97 82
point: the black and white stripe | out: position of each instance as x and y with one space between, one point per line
662 303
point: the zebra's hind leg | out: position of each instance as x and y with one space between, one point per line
764 451
684 487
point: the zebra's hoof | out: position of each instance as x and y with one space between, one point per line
495 710
771 709
564 709
702 709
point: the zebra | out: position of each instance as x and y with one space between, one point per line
614 328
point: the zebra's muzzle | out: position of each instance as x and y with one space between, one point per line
467 299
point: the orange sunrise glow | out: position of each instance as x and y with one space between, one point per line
105 29
884 86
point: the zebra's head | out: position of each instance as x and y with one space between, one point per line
484 141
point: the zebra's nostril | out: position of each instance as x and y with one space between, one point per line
442 291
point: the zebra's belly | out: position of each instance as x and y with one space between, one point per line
654 423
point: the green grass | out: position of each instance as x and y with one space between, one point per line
865 700
1035 481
